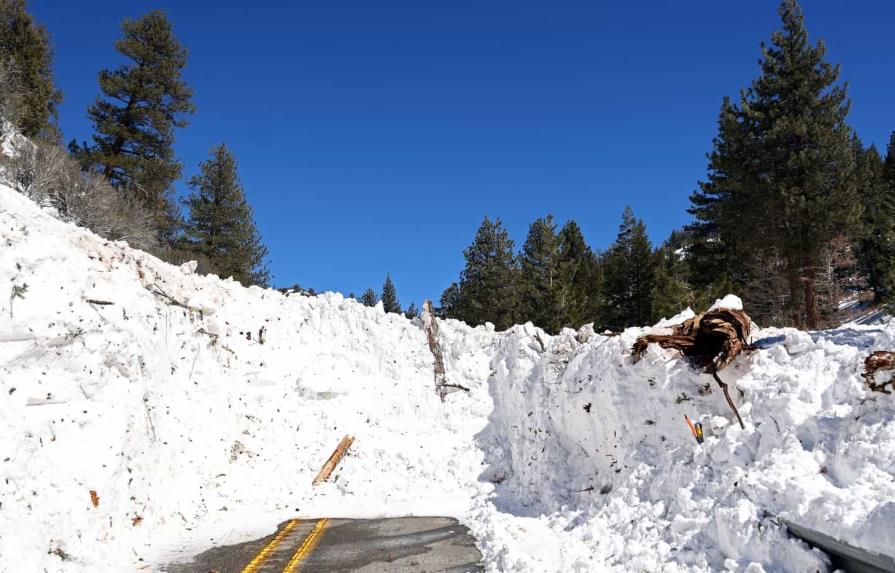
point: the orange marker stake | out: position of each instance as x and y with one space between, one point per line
695 430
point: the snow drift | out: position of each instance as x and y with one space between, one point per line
199 411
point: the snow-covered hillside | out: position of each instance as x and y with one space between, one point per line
199 411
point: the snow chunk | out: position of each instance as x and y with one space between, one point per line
730 301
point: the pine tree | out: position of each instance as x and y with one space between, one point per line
448 304
629 273
539 287
876 247
26 46
580 278
389 296
143 102
369 298
487 289
220 225
889 163
781 175
411 311
671 293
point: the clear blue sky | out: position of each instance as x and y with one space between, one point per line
375 136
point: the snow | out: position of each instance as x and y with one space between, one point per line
563 456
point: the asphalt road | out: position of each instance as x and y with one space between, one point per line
405 545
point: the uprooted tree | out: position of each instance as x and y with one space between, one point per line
711 341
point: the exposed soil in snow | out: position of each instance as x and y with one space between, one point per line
199 412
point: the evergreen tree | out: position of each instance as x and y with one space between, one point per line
580 278
143 102
389 296
369 298
889 163
671 293
781 175
450 298
540 288
220 225
629 274
411 311
876 247
26 46
487 289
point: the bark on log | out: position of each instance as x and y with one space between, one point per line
432 337
333 460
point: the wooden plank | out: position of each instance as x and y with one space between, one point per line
333 460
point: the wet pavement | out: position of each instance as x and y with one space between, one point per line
405 545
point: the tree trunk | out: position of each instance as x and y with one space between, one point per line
794 297
118 144
810 297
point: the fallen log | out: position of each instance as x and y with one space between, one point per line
711 341
333 460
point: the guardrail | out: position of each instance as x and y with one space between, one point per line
844 556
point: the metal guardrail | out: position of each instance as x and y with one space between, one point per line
844 556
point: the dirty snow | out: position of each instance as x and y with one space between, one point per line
199 411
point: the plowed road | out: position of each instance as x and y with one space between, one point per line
406 544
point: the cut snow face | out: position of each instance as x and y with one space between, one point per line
199 412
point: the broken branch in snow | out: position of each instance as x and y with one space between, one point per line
99 302
150 426
728 398
211 335
158 291
712 340
333 460
457 386
879 360
18 291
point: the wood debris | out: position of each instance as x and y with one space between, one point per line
711 340
879 360
333 460
432 337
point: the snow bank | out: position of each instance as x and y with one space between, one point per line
595 448
206 421
199 411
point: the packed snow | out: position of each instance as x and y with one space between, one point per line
199 411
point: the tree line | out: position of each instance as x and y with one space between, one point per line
794 213
121 183
556 280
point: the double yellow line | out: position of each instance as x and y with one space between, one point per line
303 550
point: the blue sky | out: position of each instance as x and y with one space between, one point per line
373 137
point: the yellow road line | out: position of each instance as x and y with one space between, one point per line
256 562
307 547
